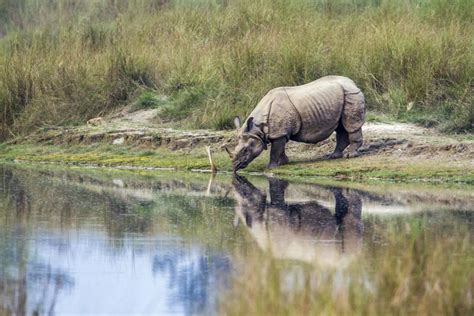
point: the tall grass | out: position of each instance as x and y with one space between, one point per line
65 61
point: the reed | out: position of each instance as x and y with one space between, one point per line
66 61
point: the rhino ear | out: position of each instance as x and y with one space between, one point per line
237 122
249 124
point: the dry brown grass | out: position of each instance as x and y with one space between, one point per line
64 62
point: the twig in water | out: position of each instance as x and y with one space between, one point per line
213 166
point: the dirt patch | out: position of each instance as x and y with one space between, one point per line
139 118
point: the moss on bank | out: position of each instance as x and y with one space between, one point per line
365 168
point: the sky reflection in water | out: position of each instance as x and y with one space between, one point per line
85 243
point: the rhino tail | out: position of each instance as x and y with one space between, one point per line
353 114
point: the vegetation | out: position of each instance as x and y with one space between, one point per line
65 61
365 168
416 278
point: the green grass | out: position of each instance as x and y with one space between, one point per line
366 168
148 99
63 62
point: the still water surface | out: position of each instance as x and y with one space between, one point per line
85 242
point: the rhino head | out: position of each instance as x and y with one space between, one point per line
251 144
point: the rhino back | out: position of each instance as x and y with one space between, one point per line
347 84
319 104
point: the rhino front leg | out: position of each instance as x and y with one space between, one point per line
355 140
277 191
277 153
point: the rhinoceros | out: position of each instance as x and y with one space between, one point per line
308 113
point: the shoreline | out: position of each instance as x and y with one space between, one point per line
392 152
367 168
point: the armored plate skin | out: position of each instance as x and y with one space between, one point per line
308 113
311 112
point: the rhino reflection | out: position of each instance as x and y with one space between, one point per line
305 231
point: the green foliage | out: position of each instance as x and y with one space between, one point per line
67 61
148 99
182 103
367 168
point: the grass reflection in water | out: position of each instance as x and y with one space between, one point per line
181 244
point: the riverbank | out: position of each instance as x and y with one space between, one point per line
391 152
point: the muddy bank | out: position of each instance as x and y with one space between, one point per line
391 151
138 129
377 141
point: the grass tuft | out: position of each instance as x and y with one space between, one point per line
148 99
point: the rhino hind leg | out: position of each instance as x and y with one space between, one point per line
355 140
277 153
342 141
353 114
353 117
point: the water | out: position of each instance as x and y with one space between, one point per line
114 242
